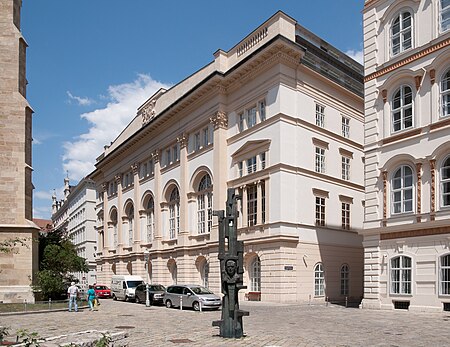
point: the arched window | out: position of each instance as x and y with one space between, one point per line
401 275
445 182
444 275
174 272
150 213
255 275
114 239
205 274
174 213
401 33
402 190
445 15
345 273
402 109
204 205
445 89
319 280
130 215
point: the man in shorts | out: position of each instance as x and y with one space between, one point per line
72 293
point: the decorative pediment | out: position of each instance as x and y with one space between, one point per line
252 146
148 110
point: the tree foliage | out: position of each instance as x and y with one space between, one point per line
58 259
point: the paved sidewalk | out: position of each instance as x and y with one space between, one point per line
268 325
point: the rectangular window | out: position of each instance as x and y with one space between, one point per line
262 158
320 160
205 137
345 168
445 15
320 211
241 122
168 157
251 117
176 153
240 168
262 110
251 205
345 216
263 201
251 165
320 115
345 127
197 141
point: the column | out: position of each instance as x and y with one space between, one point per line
244 207
157 200
120 240
433 188
182 140
258 203
137 203
105 217
419 192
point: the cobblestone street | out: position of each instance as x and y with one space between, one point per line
268 325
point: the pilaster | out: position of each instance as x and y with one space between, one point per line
184 230
136 195
120 240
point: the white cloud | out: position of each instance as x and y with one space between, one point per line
356 55
81 101
106 124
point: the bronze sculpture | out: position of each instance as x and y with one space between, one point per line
231 269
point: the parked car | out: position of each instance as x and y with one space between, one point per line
155 293
123 286
102 291
192 295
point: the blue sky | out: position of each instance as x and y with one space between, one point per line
90 64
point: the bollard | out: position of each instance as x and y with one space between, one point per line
49 303
181 302
200 303
309 300
25 305
326 300
346 301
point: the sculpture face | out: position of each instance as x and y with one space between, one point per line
230 267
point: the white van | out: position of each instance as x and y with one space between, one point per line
123 286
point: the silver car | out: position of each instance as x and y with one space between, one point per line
191 295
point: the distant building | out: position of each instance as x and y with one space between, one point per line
407 149
45 225
279 118
75 215
17 268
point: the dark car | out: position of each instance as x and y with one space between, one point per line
155 293
102 291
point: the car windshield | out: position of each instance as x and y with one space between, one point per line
201 290
133 284
100 287
156 288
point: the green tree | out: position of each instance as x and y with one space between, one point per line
58 259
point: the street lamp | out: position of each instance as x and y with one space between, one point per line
146 258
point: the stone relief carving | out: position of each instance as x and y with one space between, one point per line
219 120
148 112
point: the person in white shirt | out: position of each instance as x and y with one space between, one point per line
72 293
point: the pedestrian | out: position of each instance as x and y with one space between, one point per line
91 297
72 293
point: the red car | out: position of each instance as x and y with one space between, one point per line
102 291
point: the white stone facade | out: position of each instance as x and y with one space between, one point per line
75 214
407 149
279 118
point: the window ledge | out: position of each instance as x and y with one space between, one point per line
200 236
146 245
169 242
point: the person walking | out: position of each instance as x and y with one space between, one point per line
91 297
72 293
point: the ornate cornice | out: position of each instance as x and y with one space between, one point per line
155 156
219 120
182 140
135 168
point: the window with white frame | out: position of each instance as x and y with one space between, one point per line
127 180
150 214
402 109
320 115
319 280
251 165
262 160
345 126
445 91
401 269
402 190
445 182
320 211
345 276
204 205
252 197
197 143
263 202
320 160
176 153
401 33
445 14
255 275
345 208
252 115
345 168
174 213
205 137
147 169
240 168
444 275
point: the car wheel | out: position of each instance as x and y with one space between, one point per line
168 304
136 299
114 297
196 306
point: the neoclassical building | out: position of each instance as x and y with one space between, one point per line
17 268
75 215
279 117
407 149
